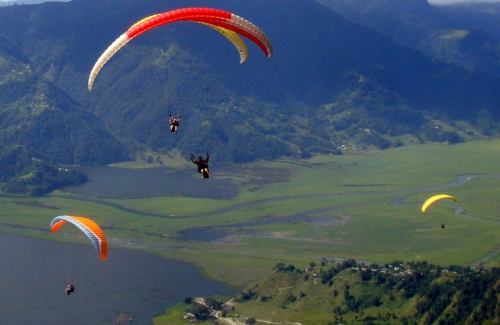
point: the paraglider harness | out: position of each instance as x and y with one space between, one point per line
202 165
70 289
174 123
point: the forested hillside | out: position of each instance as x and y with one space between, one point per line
350 292
331 82
42 128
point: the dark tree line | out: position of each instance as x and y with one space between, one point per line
33 177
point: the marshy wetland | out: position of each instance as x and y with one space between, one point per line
236 225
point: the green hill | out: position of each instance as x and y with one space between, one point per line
350 292
42 128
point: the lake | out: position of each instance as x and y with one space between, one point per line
126 183
34 274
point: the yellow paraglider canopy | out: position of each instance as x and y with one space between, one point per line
435 198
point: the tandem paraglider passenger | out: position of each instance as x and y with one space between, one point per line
174 123
70 288
202 165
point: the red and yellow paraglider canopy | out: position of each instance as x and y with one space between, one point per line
228 24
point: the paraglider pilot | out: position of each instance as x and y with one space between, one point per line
70 288
174 123
202 165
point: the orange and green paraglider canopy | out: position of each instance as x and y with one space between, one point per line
227 23
89 228
435 198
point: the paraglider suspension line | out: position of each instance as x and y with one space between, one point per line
70 262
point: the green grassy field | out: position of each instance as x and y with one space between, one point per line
326 206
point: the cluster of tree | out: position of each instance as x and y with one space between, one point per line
40 178
201 312
435 133
356 304
281 267
205 311
469 294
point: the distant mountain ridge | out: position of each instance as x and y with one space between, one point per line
466 34
331 82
